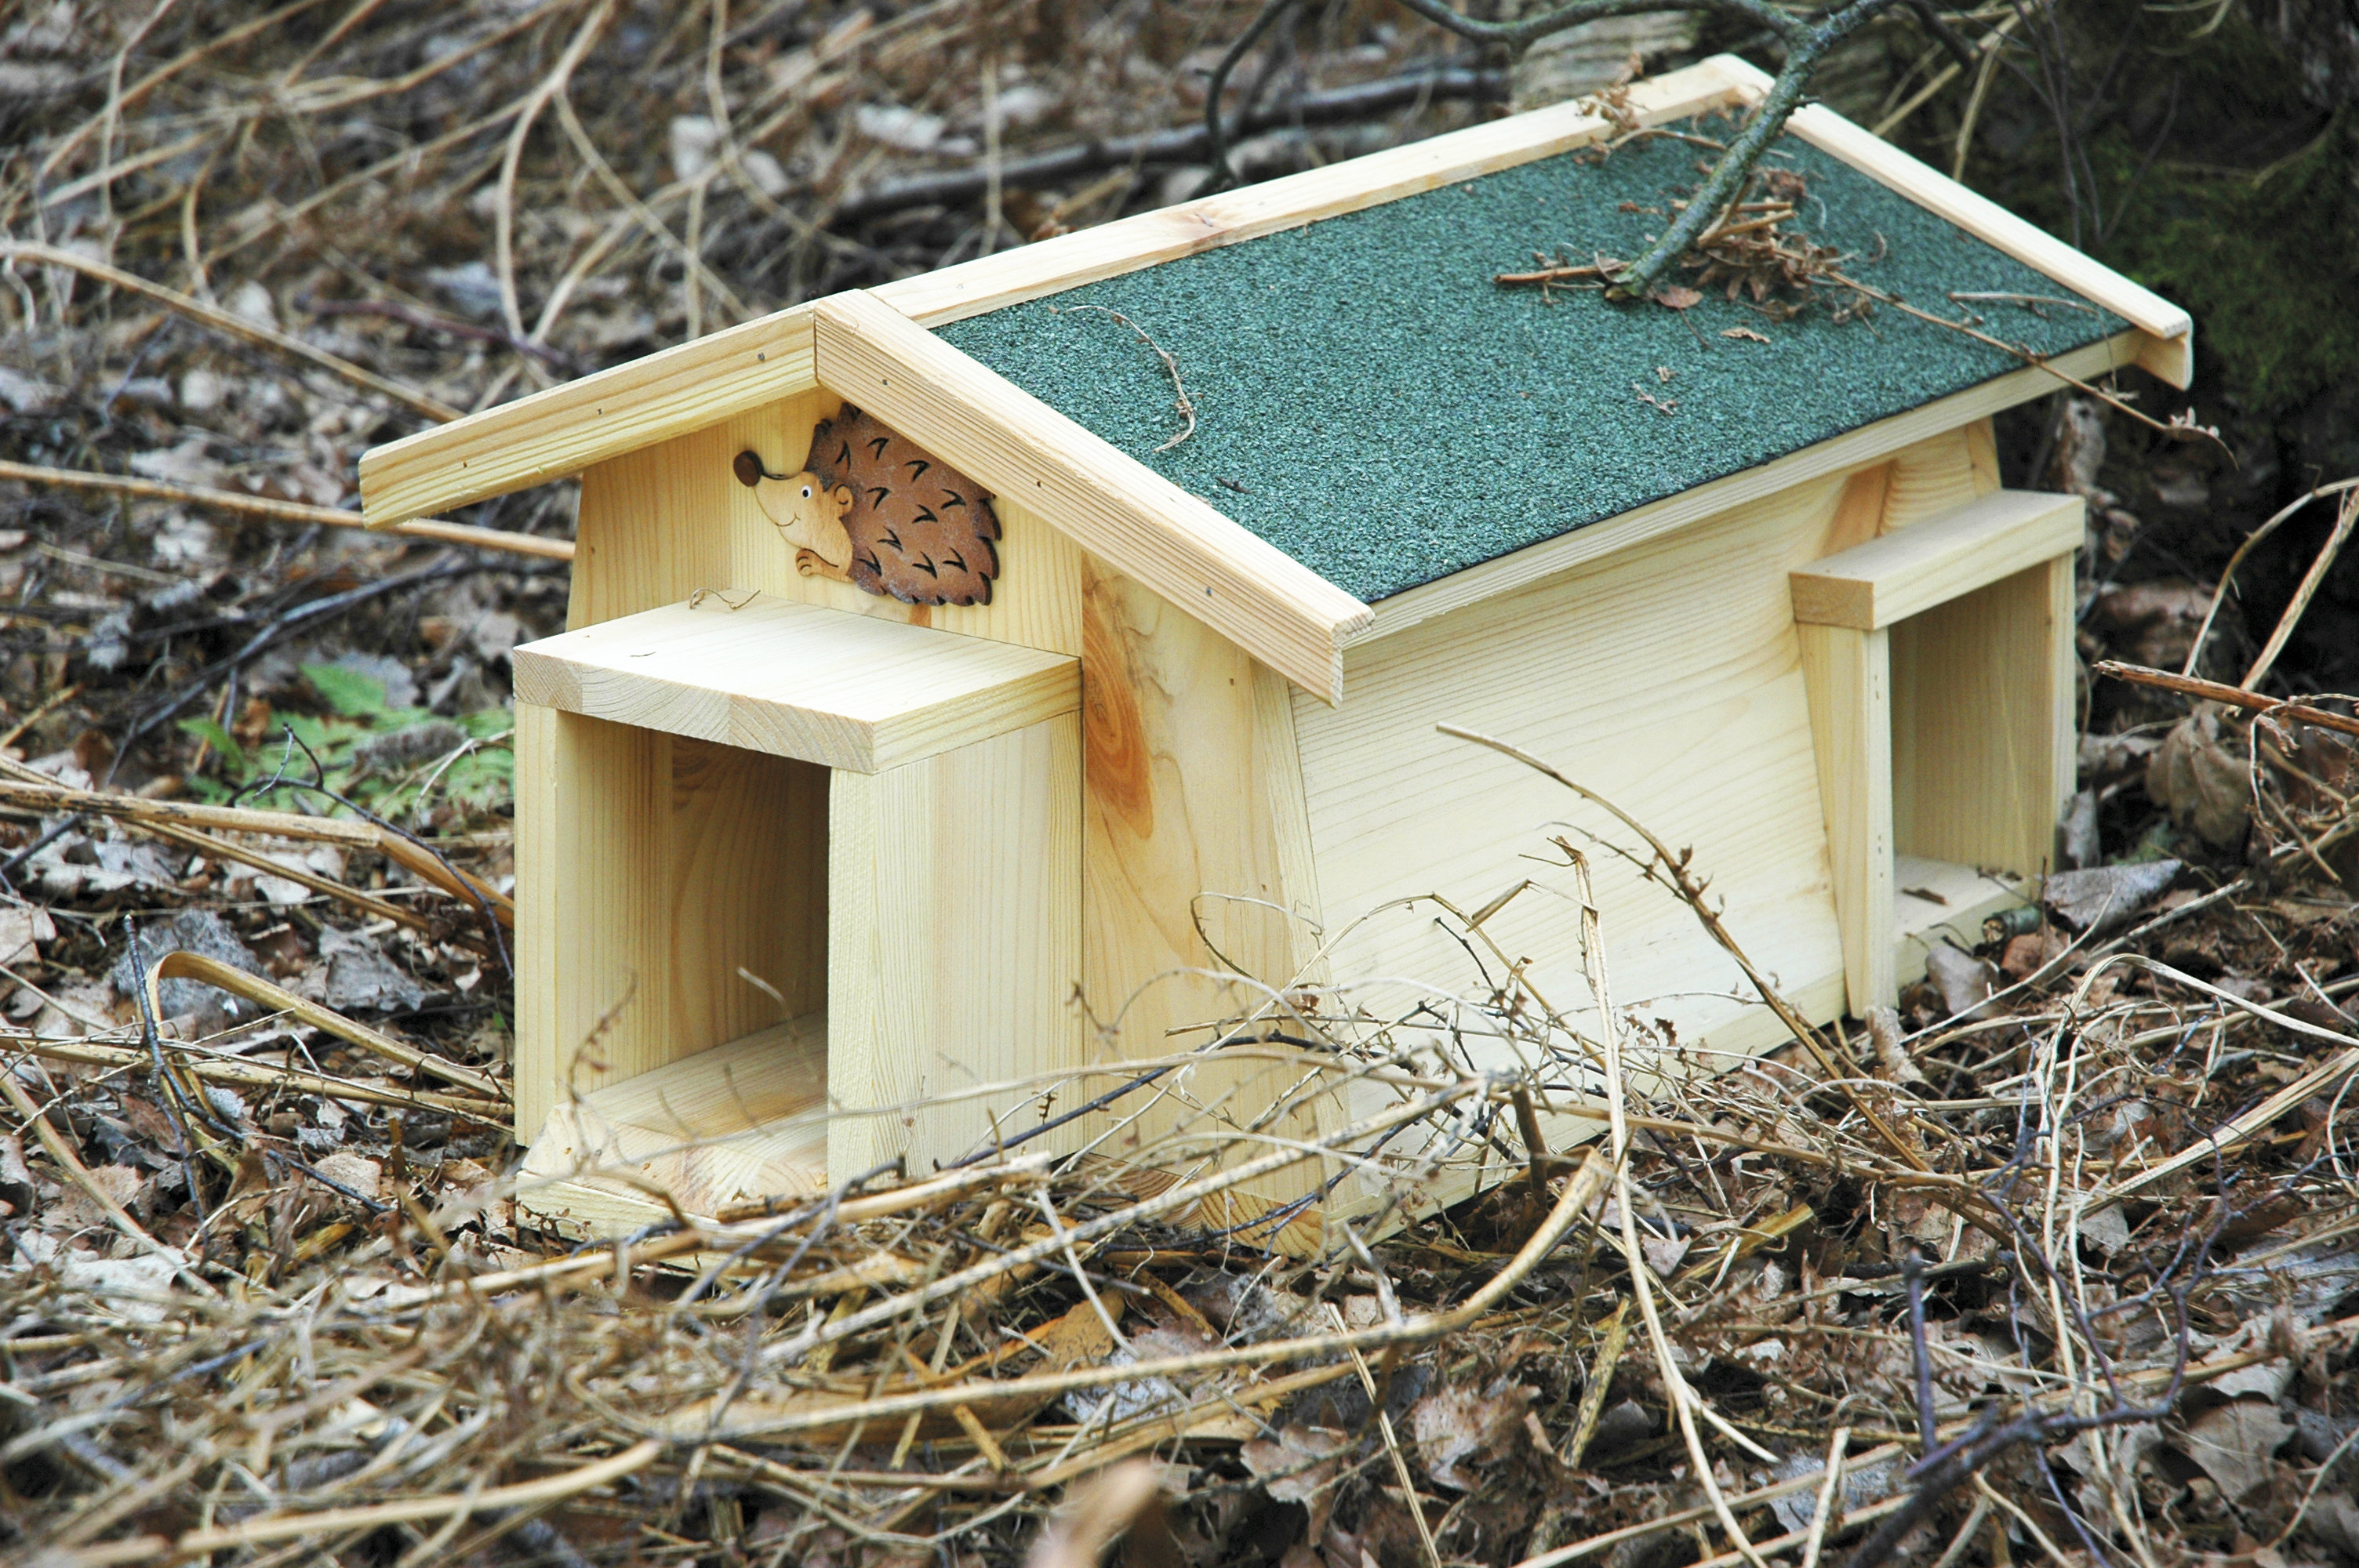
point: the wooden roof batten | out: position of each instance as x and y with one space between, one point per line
1276 608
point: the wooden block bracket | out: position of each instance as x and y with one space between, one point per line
1871 586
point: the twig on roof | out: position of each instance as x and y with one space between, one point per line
1807 40
1187 409
2176 429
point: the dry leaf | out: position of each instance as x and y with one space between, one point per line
21 927
1677 297
2151 622
2199 781
1743 334
1962 981
1455 1423
2234 1445
1299 1466
2025 955
2107 895
1664 1253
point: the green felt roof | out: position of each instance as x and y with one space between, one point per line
1394 416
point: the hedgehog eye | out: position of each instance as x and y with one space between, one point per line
805 492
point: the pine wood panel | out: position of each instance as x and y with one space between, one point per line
1191 819
649 869
2169 350
1936 476
1982 454
539 856
583 423
1848 674
796 680
954 944
1667 677
659 523
1871 586
735 1124
1982 717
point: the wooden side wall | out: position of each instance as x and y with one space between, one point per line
1668 678
952 942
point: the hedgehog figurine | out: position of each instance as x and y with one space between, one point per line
873 510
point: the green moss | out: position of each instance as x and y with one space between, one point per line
2268 264
1369 402
2218 183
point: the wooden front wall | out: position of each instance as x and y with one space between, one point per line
1184 738
1666 677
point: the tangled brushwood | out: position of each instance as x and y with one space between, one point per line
2061 1260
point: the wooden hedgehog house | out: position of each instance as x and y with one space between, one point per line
917 676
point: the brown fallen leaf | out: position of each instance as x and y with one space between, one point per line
1677 297
1743 334
2199 781
1299 1466
2234 1444
1459 1422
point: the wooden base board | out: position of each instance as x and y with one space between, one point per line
745 1121
732 1125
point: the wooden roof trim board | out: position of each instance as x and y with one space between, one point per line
1853 449
1114 506
565 429
1128 244
2169 350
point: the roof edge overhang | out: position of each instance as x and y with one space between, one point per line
1854 449
556 433
2167 350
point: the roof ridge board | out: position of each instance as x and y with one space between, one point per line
1202 560
1295 201
570 427
2171 330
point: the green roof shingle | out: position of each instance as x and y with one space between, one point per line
1371 403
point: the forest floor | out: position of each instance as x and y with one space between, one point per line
2060 1263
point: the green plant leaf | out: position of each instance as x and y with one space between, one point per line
233 755
349 692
